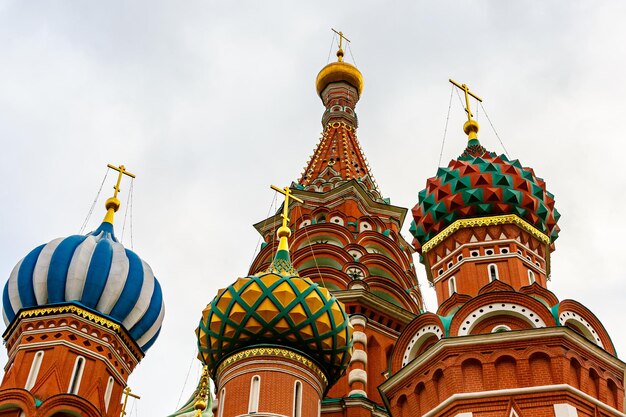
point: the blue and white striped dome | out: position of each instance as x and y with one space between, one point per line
94 271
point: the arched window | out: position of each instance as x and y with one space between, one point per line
452 285
107 393
297 400
220 405
255 387
34 370
319 408
77 375
493 272
531 276
501 328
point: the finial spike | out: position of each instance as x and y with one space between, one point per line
113 204
471 126
342 37
282 263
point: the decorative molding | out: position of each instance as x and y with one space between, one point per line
525 390
272 351
565 410
357 319
485 221
357 375
359 337
527 336
359 355
72 309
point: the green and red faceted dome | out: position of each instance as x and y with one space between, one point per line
479 184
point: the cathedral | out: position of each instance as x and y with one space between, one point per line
329 320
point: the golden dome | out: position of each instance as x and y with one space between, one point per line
337 72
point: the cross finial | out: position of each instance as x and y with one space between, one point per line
288 195
471 126
127 394
282 263
341 39
113 204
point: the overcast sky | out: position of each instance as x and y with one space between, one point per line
209 103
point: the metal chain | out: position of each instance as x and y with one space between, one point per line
95 200
445 131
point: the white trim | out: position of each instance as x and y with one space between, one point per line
77 375
359 337
565 410
220 406
359 355
255 391
588 330
108 392
522 336
518 391
531 277
34 370
297 399
472 259
494 309
500 328
451 286
422 334
491 276
357 375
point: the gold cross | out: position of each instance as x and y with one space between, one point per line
468 93
127 392
341 37
287 193
122 171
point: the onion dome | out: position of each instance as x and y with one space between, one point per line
277 308
94 271
337 72
479 184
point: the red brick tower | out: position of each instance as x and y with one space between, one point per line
347 239
501 344
81 312
274 342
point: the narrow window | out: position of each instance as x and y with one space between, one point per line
77 375
531 276
474 253
255 386
297 400
319 408
493 272
34 370
220 405
452 285
107 393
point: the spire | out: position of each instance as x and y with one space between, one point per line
113 204
202 396
338 157
471 126
282 261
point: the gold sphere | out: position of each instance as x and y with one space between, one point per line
112 203
470 126
337 72
283 231
200 405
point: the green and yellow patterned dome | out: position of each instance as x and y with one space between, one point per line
277 308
